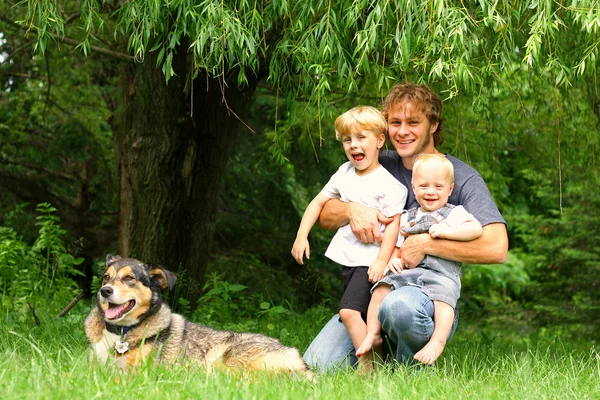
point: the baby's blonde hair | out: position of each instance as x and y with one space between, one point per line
358 119
441 159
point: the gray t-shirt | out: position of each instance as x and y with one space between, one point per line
470 190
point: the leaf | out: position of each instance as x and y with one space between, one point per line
237 288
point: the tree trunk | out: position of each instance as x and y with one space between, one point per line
170 164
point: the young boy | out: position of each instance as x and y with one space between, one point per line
432 182
362 179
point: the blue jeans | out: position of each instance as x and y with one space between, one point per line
406 316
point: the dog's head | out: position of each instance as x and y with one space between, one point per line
131 290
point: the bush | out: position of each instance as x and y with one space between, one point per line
40 274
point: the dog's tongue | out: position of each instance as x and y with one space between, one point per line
118 310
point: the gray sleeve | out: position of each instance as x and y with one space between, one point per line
476 198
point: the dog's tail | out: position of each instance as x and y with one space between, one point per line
289 360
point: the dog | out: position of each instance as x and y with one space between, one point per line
131 324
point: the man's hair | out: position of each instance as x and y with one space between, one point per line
360 119
424 99
440 159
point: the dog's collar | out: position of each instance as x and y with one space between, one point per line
118 330
122 346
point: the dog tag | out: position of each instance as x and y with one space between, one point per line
121 347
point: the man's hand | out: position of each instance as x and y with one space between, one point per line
364 222
412 249
376 270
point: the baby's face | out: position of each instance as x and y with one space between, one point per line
432 186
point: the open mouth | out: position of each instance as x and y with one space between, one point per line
116 311
358 157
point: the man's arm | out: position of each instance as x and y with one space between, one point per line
334 215
363 220
490 248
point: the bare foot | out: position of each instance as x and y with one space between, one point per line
366 364
370 342
432 350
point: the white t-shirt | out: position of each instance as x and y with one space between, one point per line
379 190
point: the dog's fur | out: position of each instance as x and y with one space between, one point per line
130 309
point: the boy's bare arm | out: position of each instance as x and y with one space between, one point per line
490 248
390 237
364 221
301 245
388 245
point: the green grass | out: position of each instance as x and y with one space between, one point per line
50 362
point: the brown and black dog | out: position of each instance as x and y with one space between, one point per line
131 324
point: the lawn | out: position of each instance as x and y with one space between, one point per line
49 361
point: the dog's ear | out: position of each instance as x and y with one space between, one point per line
165 278
110 258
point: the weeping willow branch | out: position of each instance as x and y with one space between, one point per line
75 43
557 109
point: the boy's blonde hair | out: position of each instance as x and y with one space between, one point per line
441 159
359 119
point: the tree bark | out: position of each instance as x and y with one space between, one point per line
170 160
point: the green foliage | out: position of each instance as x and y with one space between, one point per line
519 78
315 48
491 287
537 148
564 263
38 275
221 300
12 252
50 247
55 139
231 306
262 202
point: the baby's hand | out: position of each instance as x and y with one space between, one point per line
439 230
395 265
376 271
300 247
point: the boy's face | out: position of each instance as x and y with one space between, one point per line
362 149
410 131
432 186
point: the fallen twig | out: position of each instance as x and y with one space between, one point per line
35 317
71 305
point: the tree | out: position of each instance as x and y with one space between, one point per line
189 69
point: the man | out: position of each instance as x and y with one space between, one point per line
415 126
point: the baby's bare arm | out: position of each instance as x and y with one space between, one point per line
464 232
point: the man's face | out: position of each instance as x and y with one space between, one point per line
410 131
